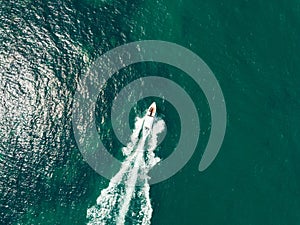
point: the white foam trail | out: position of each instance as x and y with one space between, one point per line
114 205
130 185
134 137
158 127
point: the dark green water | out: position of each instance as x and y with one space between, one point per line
251 46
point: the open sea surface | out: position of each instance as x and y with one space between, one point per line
253 49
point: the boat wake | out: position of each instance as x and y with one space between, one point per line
126 200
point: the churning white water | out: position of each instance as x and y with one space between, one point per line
126 200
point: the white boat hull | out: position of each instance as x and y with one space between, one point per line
149 120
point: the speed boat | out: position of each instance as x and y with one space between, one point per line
148 121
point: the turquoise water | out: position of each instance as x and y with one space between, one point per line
252 48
